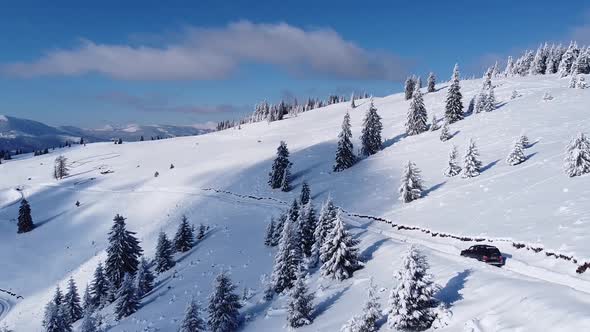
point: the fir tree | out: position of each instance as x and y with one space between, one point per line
224 306
352 104
280 164
305 194
480 102
509 67
123 252
516 156
371 133
58 297
100 287
286 182
87 302
288 257
367 322
434 126
25 221
270 232
524 141
300 304
192 321
163 258
472 164
409 87
127 301
71 304
145 278
324 225
453 168
411 187
413 299
538 66
490 101
577 160
445 134
307 224
54 320
280 224
201 233
89 323
184 240
567 60
431 83
417 116
454 105
471 106
339 253
60 169
345 157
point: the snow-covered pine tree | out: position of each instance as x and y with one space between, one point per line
487 79
431 82
577 160
434 126
305 194
286 182
145 278
480 101
87 303
454 105
127 301
163 258
524 141
445 134
288 257
352 104
471 106
123 252
307 225
270 232
453 168
224 306
89 323
60 168
490 101
339 253
25 221
324 225
367 321
280 224
192 321
538 65
71 303
280 164
567 60
412 301
54 320
184 240
472 164
584 61
516 155
345 157
300 304
551 62
201 233
410 86
509 67
293 213
573 81
411 187
100 287
371 134
417 118
58 297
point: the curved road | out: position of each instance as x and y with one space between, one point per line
4 307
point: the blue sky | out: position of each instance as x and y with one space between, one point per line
187 62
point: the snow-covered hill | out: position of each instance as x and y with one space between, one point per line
218 176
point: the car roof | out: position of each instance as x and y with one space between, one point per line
483 246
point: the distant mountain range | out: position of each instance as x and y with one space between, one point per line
29 135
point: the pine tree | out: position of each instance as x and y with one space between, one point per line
352 104
145 278
509 67
127 301
300 304
577 160
60 169
89 323
339 253
25 221
454 105
371 133
453 168
305 194
445 134
573 81
286 182
472 164
201 233
325 224
87 302
413 299
100 287
71 304
280 224
524 141
184 240
417 116
345 157
163 258
434 126
411 187
490 101
516 156
480 102
367 322
192 321
270 232
288 257
471 106
123 252
410 87
431 83
538 65
307 225
54 320
223 306
280 164
567 60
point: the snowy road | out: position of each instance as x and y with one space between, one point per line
4 307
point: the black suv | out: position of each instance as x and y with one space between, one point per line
484 253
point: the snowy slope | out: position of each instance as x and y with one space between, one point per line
533 203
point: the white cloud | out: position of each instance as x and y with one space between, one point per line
214 53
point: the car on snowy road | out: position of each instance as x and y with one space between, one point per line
484 253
